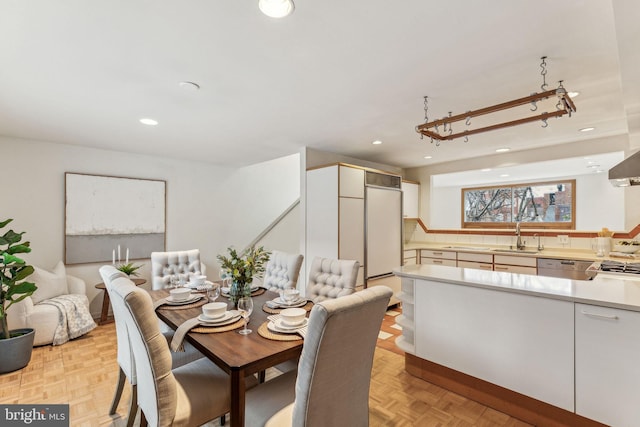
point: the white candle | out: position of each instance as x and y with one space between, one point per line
113 257
119 253
127 260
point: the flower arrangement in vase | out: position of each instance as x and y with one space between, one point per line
242 269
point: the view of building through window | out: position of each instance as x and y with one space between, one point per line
541 204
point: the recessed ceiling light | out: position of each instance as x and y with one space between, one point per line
590 162
149 122
377 142
428 157
589 129
276 8
599 171
190 86
503 150
485 170
504 175
573 94
593 166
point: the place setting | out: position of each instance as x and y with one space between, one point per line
289 298
214 318
180 298
289 325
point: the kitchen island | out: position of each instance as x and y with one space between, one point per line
549 351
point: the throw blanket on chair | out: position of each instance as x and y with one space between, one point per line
74 320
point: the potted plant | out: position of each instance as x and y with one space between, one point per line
242 269
129 269
15 345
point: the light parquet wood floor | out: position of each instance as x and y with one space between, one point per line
84 372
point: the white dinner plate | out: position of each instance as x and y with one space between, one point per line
281 325
229 317
193 298
272 327
299 303
194 286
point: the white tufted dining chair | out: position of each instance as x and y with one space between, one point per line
190 395
282 270
166 264
331 278
334 373
125 356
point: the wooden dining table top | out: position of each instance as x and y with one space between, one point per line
230 350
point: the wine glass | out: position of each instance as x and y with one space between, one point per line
213 292
225 277
290 295
245 307
174 281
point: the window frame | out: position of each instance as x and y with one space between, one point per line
563 225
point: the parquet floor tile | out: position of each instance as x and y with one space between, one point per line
84 372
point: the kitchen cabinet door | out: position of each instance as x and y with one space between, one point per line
607 364
351 224
515 269
410 200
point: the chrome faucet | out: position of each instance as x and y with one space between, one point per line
519 243
540 246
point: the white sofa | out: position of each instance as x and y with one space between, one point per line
44 318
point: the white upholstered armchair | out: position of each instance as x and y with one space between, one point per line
331 278
34 312
281 271
166 264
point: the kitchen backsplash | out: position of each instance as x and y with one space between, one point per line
415 234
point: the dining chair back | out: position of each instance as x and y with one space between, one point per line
334 373
167 264
331 278
126 364
125 357
190 395
282 270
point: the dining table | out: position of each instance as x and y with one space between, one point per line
238 355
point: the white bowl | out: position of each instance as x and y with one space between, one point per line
180 294
214 309
293 316
627 249
198 280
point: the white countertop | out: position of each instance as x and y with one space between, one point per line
574 254
603 290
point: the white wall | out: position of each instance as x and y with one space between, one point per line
259 194
196 215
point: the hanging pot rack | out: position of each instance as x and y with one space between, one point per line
564 106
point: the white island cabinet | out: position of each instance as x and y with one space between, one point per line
549 351
523 343
608 364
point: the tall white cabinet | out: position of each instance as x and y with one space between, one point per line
355 213
335 214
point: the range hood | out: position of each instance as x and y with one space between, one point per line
627 172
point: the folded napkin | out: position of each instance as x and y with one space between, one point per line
178 337
273 304
158 303
301 331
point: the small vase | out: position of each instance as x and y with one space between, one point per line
237 291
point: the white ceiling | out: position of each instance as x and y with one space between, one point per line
334 75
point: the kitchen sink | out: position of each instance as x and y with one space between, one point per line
515 251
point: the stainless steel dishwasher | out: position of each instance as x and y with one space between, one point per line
565 268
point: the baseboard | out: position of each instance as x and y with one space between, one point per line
514 404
